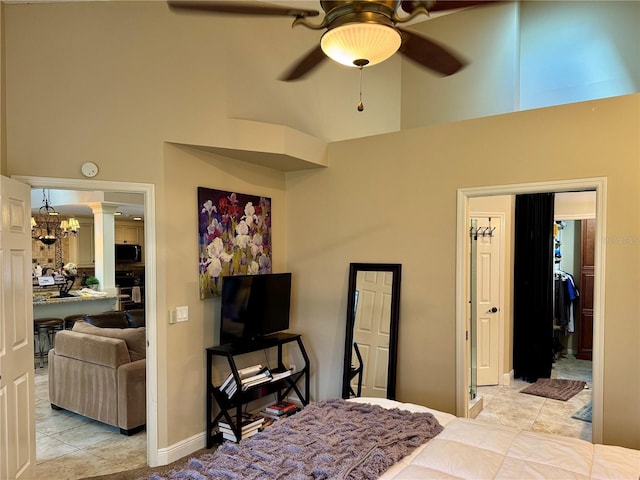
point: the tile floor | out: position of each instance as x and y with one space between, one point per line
506 406
71 447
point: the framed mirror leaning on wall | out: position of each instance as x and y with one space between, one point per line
371 340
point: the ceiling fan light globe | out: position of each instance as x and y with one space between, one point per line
357 41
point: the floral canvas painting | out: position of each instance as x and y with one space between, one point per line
234 235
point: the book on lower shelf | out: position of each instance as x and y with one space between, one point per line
229 435
251 424
245 431
271 417
280 408
248 421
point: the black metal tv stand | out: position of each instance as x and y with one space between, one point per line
281 387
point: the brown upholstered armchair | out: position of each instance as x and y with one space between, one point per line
100 373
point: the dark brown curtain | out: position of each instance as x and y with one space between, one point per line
533 287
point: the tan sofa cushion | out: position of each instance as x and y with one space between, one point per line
135 338
94 349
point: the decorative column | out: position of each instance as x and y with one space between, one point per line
104 240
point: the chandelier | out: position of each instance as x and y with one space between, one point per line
46 225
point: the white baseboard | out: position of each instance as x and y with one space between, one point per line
181 449
475 406
507 378
188 446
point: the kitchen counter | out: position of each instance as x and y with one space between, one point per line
46 306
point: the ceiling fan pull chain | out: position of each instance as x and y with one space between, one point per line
361 105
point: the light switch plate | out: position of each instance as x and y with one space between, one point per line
178 314
182 314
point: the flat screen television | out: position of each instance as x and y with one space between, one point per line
253 306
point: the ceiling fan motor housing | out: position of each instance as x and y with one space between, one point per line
360 33
369 11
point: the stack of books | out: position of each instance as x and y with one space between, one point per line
279 410
249 377
250 426
277 375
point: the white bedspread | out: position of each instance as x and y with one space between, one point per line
471 449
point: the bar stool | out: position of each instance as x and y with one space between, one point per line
43 328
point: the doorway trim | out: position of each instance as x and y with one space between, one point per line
599 184
148 191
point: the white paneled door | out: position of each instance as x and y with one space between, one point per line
17 407
371 331
488 301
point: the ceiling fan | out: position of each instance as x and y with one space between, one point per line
357 33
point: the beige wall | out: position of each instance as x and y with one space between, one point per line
392 198
182 345
124 73
524 55
578 50
487 39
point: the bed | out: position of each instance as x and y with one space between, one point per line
471 449
368 438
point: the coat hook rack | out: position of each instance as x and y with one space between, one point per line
481 231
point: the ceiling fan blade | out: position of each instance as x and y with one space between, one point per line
243 8
305 65
442 5
429 54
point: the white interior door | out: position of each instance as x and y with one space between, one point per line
17 405
371 331
488 302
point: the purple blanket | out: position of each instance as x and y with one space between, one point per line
331 439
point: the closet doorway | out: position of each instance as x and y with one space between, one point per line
598 188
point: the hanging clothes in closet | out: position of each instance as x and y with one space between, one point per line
565 296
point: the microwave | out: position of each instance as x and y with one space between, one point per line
128 253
